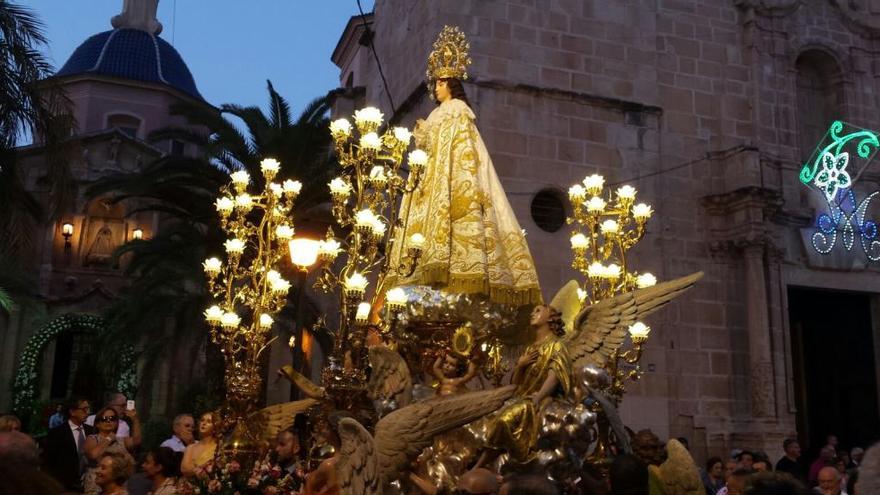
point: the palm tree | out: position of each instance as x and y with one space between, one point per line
29 105
167 281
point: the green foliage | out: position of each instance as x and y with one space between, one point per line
166 295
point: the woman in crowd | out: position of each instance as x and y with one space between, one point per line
198 456
713 478
9 422
113 472
106 442
162 467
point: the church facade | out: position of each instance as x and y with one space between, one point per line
709 109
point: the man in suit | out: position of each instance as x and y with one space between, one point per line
63 456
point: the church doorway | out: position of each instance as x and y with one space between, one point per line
835 372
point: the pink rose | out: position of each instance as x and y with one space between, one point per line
234 467
275 472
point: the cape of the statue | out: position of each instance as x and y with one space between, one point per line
473 242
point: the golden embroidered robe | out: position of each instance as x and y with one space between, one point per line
514 427
473 242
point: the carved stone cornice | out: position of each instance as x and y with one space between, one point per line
769 200
856 13
770 8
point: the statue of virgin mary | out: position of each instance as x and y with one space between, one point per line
473 242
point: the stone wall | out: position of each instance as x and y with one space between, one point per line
695 104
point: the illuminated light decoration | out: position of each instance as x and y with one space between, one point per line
339 188
371 141
279 286
269 167
230 320
244 202
402 135
642 211
240 178
646 280
417 158
577 193
304 252
212 266
234 246
214 315
224 205
866 138
340 128
377 176
284 232
609 227
266 321
845 220
416 241
368 118
329 248
639 331
626 193
596 204
276 189
363 312
356 284
395 299
579 241
833 175
292 187
594 184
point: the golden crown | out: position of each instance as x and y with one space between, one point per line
450 59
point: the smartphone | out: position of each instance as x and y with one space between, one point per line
129 405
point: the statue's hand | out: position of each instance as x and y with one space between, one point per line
527 359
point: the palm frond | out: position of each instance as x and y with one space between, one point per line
279 109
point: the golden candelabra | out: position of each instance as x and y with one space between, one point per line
248 289
367 198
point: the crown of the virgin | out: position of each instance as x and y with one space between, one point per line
449 59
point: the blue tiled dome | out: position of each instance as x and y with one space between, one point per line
131 54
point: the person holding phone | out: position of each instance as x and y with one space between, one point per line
119 403
105 442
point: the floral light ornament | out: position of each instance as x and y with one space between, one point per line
833 175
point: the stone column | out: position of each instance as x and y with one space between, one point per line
760 362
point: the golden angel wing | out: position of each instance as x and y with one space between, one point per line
679 472
600 329
390 378
357 468
404 433
308 387
278 417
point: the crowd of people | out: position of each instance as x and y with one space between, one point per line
95 454
835 471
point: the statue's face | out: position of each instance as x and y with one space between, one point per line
441 90
540 315
450 365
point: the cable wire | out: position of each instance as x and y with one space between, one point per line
369 33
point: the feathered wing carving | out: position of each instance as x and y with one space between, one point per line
308 387
679 472
404 433
601 328
390 377
357 469
613 416
366 463
278 417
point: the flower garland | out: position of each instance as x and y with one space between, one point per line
26 379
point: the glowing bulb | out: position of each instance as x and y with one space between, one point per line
608 227
266 321
582 294
270 167
244 201
577 193
416 241
230 320
329 248
304 252
371 141
214 314
595 270
417 158
642 211
276 189
370 116
272 275
365 218
402 135
356 283
363 312
240 178
284 232
279 286
639 331
579 241
594 184
612 271
395 298
292 187
340 128
645 280
377 175
626 193
224 205
212 266
340 188
234 246
596 205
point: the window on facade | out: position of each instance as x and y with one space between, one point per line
177 147
820 98
126 123
548 210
